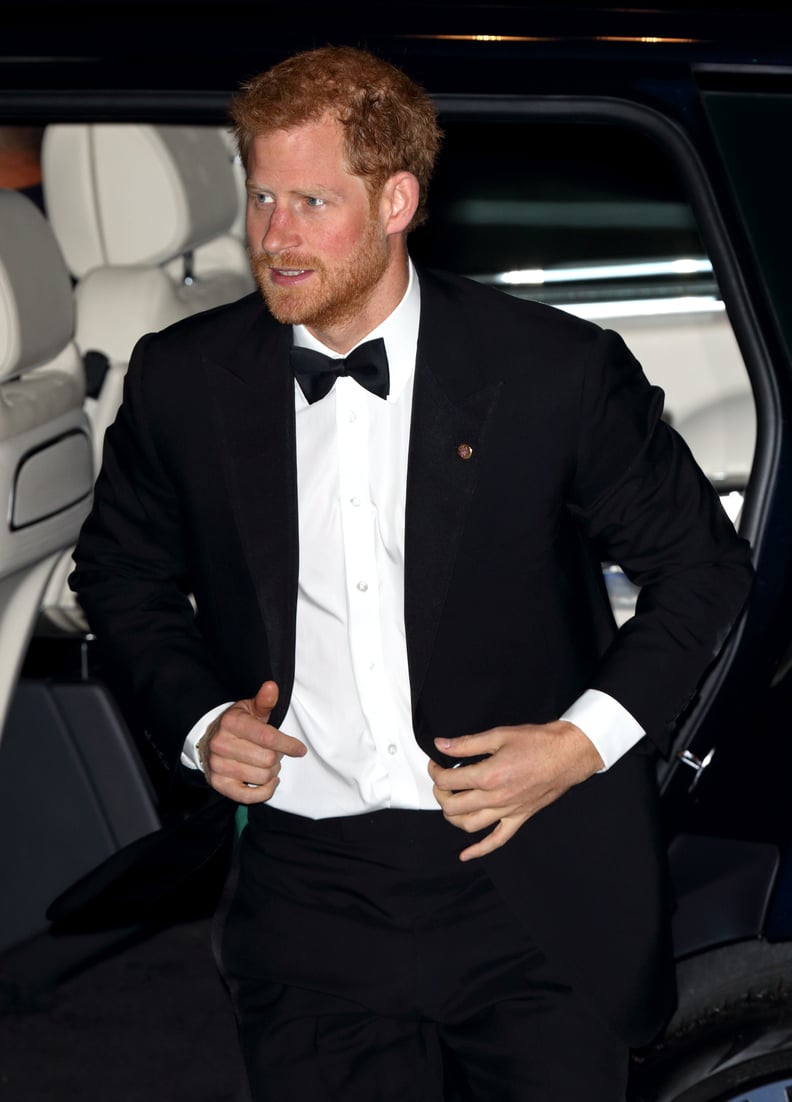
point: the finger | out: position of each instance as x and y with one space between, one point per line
455 779
257 786
497 837
243 792
455 804
265 700
473 822
239 724
238 759
282 743
470 746
264 749
258 794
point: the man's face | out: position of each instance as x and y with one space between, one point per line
317 243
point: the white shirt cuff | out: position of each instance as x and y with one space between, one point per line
189 754
606 723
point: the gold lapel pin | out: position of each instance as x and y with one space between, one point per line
464 451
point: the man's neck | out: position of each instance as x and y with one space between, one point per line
385 297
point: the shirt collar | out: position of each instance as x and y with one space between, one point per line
399 331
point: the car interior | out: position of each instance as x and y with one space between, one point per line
144 226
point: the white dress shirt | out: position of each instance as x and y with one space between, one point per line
350 703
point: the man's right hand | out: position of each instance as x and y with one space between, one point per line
241 752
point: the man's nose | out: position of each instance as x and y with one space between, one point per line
280 232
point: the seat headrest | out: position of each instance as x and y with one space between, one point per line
36 300
125 194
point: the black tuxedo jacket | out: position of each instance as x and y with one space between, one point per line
506 614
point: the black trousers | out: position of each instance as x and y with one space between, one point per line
367 963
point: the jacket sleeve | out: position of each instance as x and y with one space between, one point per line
645 503
130 578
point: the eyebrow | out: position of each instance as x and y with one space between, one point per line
318 190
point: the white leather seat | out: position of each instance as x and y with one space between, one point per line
227 252
143 215
46 453
238 225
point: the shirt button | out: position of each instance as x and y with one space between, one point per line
393 749
362 586
352 415
354 501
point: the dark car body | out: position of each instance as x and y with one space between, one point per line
539 93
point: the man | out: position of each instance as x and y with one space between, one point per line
452 855
20 161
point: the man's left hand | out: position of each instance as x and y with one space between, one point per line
528 767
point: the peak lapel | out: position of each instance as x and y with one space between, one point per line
253 394
451 410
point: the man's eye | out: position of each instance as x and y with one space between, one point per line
313 201
260 199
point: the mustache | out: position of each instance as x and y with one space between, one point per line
265 261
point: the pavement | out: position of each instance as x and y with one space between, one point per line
149 1024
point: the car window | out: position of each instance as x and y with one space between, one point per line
594 219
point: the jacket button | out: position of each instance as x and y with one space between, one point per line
464 451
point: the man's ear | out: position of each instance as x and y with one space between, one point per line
399 202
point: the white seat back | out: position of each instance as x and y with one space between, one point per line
238 229
46 455
134 199
143 215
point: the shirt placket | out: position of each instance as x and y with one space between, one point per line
358 514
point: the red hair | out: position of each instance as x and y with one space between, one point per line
389 121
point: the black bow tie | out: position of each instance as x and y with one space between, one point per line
317 373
